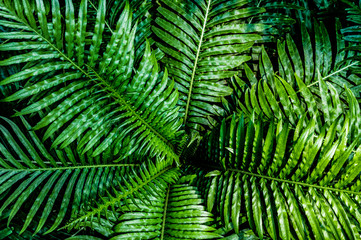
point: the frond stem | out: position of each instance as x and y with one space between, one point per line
165 213
294 182
113 201
340 70
119 98
73 167
96 9
129 108
196 62
331 74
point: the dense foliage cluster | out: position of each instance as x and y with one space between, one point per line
180 119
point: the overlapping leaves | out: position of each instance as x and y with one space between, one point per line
314 58
286 156
288 103
148 181
95 96
289 182
204 43
351 34
141 14
151 204
49 182
177 213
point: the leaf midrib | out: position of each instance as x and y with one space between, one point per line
67 168
295 182
108 87
106 22
116 199
129 108
196 62
332 74
165 213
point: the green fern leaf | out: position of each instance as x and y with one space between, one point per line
176 214
289 182
97 97
204 43
29 172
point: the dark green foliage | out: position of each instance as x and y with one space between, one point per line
180 119
112 90
282 177
203 47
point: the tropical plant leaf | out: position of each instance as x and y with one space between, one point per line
141 14
83 237
98 96
291 183
285 102
314 57
204 43
281 15
31 176
104 224
176 213
255 134
148 181
351 34
11 232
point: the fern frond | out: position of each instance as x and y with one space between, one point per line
83 237
11 232
31 173
288 103
205 42
313 57
352 36
97 97
140 11
289 182
176 213
148 181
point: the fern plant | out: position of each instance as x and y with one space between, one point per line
186 119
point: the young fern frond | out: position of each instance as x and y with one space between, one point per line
98 97
29 172
289 182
